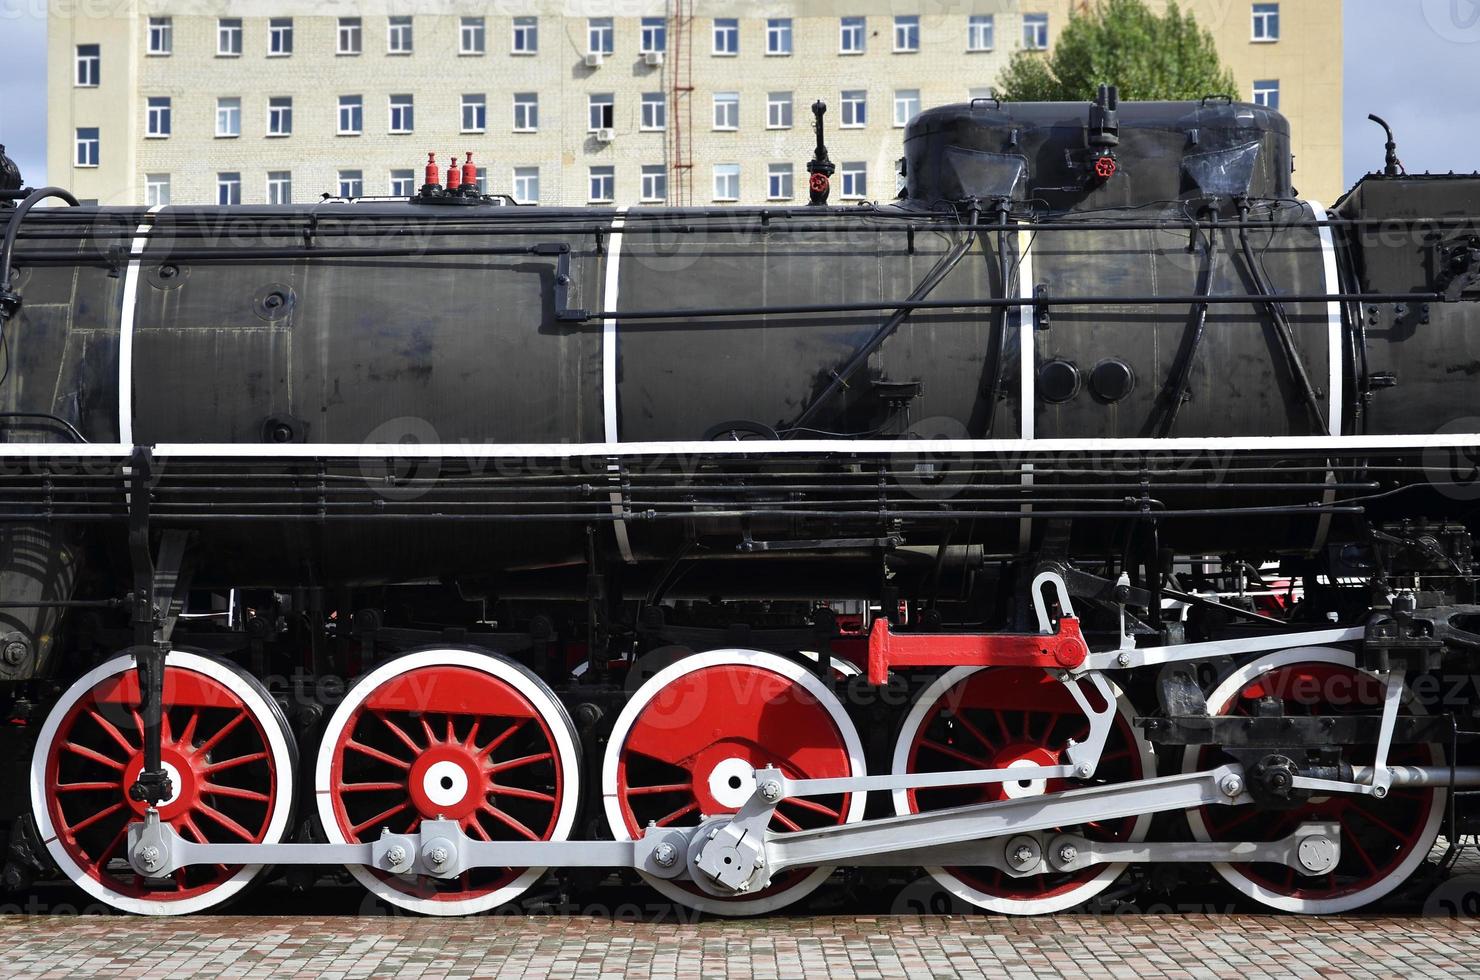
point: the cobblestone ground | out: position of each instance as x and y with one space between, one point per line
1241 946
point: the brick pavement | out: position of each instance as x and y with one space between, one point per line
1243 946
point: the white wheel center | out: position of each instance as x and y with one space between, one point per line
174 775
732 782
1016 788
445 783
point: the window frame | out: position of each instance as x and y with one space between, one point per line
274 178
408 107
727 100
162 30
357 108
646 101
516 179
398 29
532 105
351 29
524 29
647 173
789 102
1037 22
152 184
341 178
478 102
606 101
228 27
775 170
725 26
87 151
731 170
856 108
479 28
1260 21
856 27
650 29
231 112
907 24
410 178
601 36
223 184
898 124
857 170
778 28
974 23
277 112
92 62
279 28
608 174
1262 89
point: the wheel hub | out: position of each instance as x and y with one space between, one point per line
447 781
1022 756
184 783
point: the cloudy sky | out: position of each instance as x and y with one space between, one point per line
1414 62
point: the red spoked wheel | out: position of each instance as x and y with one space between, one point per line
230 757
1382 841
689 742
450 734
992 718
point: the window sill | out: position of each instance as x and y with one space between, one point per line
156 136
847 54
854 126
228 136
280 54
906 51
157 54
652 129
779 128
472 132
778 54
979 50
399 54
226 54
523 54
400 132
348 54
726 200
84 166
724 54
535 130
725 129
1264 40
360 133
471 54
277 136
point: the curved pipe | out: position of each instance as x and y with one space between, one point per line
13 226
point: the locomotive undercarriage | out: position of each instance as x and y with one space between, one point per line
1026 727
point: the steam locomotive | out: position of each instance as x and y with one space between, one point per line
1097 505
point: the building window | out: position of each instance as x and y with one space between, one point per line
855 179
280 37
654 183
1035 31
89 65
229 117
727 110
778 182
1266 22
727 181
778 35
778 110
600 112
351 115
279 187
158 123
906 105
480 179
526 112
850 35
351 183
228 188
1267 93
161 40
472 36
280 116
855 109
403 183
603 182
229 44
654 111
906 34
156 190
527 185
599 37
87 147
526 35
398 38
726 35
654 35
403 119
981 32
351 36
474 113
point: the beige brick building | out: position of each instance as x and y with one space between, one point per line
564 102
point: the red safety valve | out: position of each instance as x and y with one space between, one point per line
469 172
1105 167
454 176
434 177
1063 650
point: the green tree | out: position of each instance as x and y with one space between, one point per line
1121 42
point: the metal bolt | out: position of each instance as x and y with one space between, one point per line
1083 770
1022 855
438 856
1123 660
149 855
396 856
1231 786
1068 853
15 653
665 855
770 791
1379 791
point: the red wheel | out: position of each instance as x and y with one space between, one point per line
452 734
229 755
689 742
1382 841
989 718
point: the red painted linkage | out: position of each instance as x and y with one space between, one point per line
887 649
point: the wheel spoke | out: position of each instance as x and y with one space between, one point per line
509 821
112 731
84 787
682 811
1378 821
974 731
100 815
222 732
660 788
809 804
398 731
785 821
227 822
502 737
522 794
957 754
379 818
232 763
376 754
235 792
524 760
371 787
94 756
426 727
188 735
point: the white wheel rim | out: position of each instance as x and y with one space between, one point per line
282 757
1231 873
790 669
527 685
964 890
